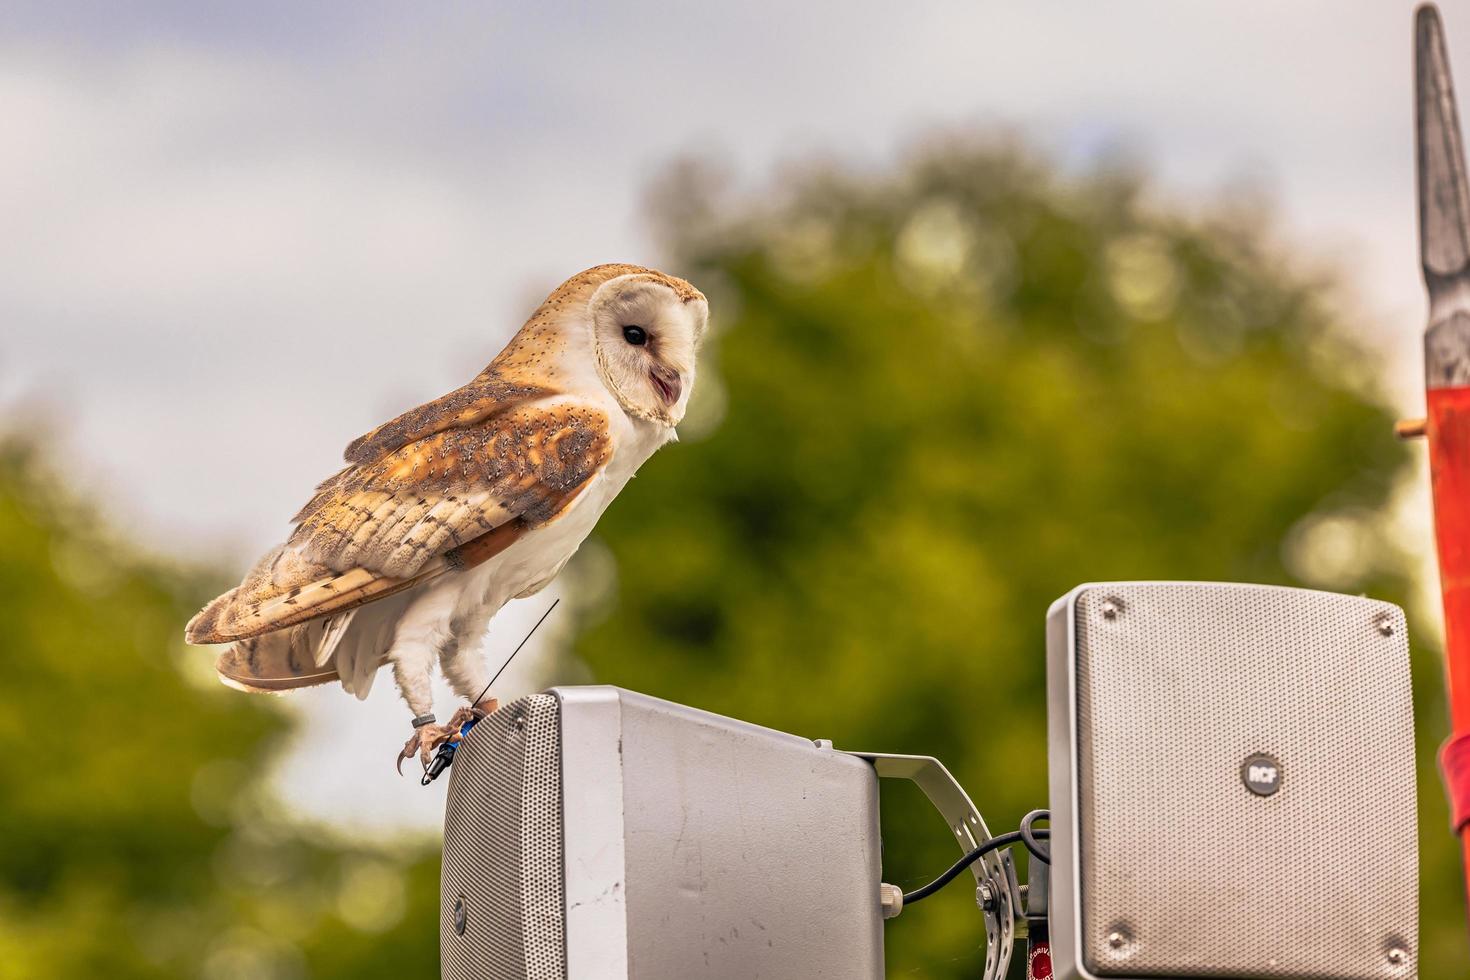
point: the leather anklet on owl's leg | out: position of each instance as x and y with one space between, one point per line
427 736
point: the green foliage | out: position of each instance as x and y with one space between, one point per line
137 843
937 400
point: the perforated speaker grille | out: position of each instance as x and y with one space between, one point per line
501 895
1185 870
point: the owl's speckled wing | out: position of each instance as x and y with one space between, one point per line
439 487
393 514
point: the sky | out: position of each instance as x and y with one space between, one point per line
237 236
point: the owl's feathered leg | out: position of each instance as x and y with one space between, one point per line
459 658
428 737
466 674
422 633
463 661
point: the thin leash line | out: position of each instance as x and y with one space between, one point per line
554 604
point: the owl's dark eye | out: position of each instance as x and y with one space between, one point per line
636 336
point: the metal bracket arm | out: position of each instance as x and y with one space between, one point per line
996 890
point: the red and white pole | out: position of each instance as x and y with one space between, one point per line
1444 245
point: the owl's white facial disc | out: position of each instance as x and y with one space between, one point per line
646 337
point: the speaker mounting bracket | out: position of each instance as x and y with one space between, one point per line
996 891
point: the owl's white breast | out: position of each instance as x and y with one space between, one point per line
536 558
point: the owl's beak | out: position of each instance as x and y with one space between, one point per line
667 383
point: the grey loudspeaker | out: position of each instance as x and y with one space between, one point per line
1232 784
596 834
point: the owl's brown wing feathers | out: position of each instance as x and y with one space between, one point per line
488 395
392 515
444 501
280 661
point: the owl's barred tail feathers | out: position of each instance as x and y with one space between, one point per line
298 656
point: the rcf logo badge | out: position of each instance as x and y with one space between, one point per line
1261 774
1038 966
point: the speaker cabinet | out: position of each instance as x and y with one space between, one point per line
592 833
1232 784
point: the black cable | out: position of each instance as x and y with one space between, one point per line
918 894
1028 835
1032 837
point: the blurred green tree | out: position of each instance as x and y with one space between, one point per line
137 840
935 400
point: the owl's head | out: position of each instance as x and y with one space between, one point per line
646 327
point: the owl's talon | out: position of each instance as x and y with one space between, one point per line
481 710
425 740
409 748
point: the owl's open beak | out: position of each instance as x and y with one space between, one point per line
667 383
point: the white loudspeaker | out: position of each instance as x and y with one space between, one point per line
1232 784
591 833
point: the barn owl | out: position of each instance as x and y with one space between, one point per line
450 510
